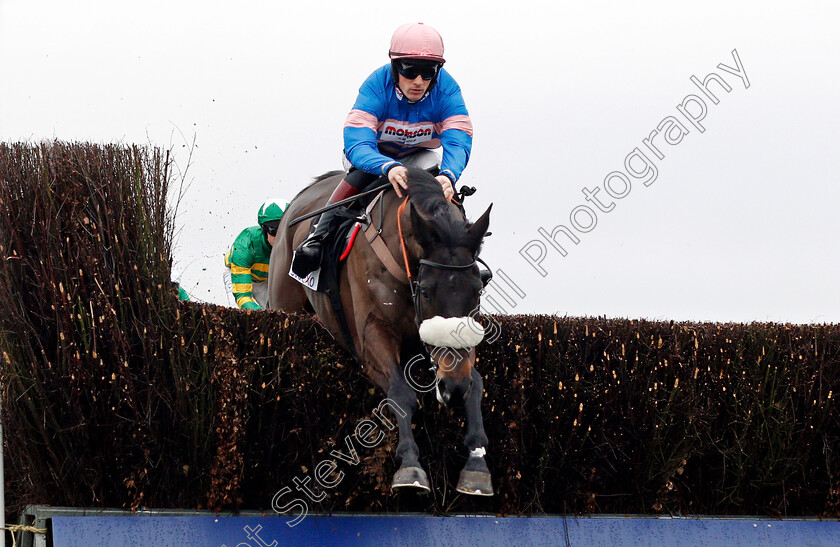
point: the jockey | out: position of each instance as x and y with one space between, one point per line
248 257
404 109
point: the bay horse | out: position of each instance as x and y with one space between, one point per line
391 320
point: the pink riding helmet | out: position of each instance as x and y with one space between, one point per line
417 41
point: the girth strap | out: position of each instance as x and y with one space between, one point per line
341 319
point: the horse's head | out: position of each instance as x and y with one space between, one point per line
447 287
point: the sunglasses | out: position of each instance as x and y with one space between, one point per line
412 70
271 227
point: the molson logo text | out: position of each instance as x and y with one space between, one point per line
405 133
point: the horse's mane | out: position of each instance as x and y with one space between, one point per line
428 198
326 175
318 179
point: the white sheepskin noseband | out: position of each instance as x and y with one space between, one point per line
451 332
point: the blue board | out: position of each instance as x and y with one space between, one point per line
457 531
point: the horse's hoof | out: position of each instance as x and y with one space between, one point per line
475 483
411 477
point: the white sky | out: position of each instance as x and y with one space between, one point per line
740 225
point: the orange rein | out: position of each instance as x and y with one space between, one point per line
402 239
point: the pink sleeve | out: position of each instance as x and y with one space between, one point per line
360 118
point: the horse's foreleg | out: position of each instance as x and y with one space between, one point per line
382 358
410 473
475 478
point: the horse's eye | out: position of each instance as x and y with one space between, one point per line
424 292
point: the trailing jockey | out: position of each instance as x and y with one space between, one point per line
248 257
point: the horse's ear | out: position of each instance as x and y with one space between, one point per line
480 226
423 232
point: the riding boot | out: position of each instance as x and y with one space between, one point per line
308 254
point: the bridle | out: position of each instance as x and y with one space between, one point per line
414 282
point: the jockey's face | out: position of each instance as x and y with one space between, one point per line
413 89
271 240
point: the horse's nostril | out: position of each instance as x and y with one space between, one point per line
468 390
451 391
441 392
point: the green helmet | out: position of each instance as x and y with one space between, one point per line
272 209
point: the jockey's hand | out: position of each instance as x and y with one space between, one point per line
398 176
446 184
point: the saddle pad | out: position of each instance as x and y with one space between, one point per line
336 246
